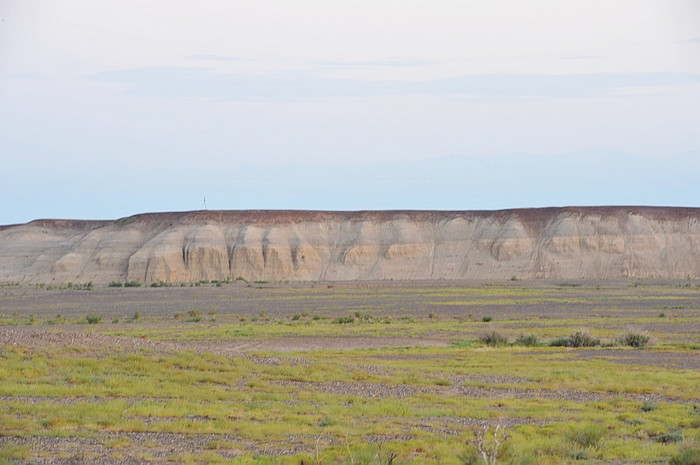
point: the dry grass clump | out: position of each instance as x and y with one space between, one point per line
634 339
494 338
578 339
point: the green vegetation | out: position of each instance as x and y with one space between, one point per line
578 339
493 338
529 340
687 457
262 402
634 340
93 319
649 406
528 401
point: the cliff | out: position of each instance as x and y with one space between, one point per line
551 243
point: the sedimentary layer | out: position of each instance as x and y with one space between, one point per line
549 243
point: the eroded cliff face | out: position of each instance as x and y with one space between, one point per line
552 243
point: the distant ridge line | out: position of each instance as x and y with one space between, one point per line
283 215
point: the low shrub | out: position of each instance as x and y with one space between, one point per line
578 339
132 284
587 435
493 338
469 456
634 340
668 438
686 457
486 319
578 455
93 319
115 284
649 406
583 339
344 320
529 341
559 342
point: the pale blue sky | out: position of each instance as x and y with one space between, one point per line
108 109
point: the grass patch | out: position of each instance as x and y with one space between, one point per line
345 406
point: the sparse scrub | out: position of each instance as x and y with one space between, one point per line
369 455
667 438
649 406
469 456
180 379
686 457
528 341
578 455
11 452
116 284
578 339
587 435
132 284
93 319
493 338
487 445
631 339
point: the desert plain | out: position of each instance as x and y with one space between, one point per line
377 372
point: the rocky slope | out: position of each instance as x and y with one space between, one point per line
552 243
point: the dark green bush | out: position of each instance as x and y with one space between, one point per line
116 284
132 284
93 319
668 438
344 320
649 406
486 319
559 342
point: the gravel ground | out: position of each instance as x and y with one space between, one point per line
31 337
618 300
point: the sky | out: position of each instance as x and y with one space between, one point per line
109 109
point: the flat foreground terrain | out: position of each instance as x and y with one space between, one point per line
378 373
